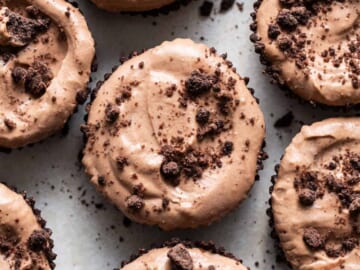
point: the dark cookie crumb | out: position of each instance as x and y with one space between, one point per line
180 258
225 5
134 203
307 197
285 120
206 8
313 239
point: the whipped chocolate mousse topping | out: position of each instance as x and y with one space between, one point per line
316 197
131 5
46 51
182 257
312 47
174 136
24 242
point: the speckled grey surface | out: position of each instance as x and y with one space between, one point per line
88 231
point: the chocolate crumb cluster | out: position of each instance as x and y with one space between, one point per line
341 177
35 79
289 31
203 90
20 31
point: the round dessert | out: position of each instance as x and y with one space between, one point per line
46 51
311 47
131 5
185 256
174 136
24 241
316 197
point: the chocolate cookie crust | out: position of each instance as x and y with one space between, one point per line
317 183
26 241
178 164
178 253
153 7
307 50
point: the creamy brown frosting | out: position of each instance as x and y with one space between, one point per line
161 259
312 48
46 51
24 243
315 200
174 136
131 5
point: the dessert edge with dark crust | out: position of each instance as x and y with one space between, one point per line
39 79
134 202
164 10
39 241
323 229
334 102
208 246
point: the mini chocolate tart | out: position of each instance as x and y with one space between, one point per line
184 255
311 47
174 137
315 199
25 243
152 6
46 51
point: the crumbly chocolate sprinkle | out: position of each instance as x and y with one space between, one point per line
35 78
23 30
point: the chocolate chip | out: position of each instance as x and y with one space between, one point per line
180 258
198 84
134 203
111 114
354 208
202 116
37 241
228 148
307 197
171 171
313 239
206 8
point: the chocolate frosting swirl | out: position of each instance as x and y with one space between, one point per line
46 51
174 137
315 200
